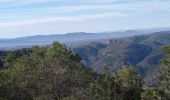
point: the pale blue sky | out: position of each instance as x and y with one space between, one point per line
40 17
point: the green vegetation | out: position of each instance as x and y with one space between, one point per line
44 73
162 91
142 52
164 74
56 73
151 94
125 85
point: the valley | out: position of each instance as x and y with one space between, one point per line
142 52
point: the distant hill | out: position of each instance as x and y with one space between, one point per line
70 39
142 52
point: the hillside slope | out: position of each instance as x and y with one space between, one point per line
143 52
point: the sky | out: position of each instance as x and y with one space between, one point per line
42 17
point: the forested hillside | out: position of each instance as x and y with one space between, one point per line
142 52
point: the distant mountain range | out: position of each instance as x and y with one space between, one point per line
70 39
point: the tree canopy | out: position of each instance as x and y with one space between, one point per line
54 72
164 74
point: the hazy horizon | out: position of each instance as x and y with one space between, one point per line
20 18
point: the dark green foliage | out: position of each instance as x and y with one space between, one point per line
1 63
164 74
125 85
162 91
56 73
44 73
2 54
151 94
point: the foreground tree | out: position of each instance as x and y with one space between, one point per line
151 94
131 83
51 72
125 85
164 75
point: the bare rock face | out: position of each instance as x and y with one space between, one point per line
118 41
108 41
106 52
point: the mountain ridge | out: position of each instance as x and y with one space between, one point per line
70 39
142 52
